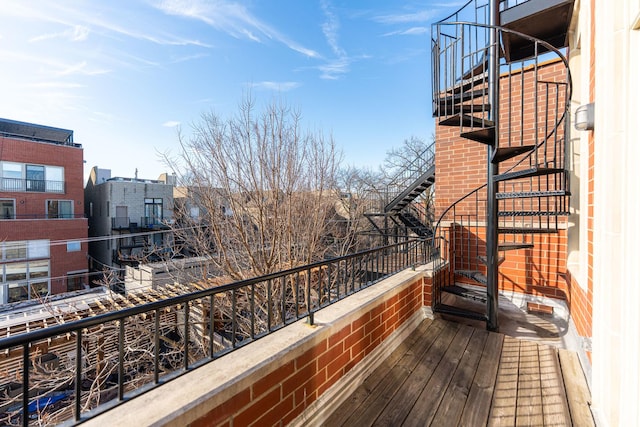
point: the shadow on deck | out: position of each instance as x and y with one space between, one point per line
448 374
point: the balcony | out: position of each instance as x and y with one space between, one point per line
32 185
297 360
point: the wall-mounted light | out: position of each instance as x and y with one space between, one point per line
584 117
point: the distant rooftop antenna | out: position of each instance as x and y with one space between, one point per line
136 175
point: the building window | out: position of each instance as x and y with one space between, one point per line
25 177
7 209
59 209
35 178
152 211
24 270
74 246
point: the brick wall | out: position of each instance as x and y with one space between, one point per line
284 392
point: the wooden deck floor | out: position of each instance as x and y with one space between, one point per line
449 374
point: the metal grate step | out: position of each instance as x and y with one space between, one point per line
472 294
531 194
527 173
526 230
533 213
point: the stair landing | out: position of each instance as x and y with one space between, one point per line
448 373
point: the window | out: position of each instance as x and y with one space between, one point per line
35 178
24 270
74 246
153 211
7 209
11 176
59 209
54 176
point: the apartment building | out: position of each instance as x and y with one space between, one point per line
43 230
128 218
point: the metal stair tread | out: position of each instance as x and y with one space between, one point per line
466 120
533 213
457 98
483 259
474 275
526 173
512 246
531 194
460 312
506 153
467 293
450 109
526 230
484 135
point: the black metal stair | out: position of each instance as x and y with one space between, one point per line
417 226
532 186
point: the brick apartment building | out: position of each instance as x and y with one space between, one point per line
43 231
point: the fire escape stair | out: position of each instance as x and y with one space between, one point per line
414 224
424 181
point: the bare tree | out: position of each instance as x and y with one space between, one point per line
261 191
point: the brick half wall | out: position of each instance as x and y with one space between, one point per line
275 379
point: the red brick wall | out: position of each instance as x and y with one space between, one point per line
32 203
282 394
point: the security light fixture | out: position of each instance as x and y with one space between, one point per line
584 117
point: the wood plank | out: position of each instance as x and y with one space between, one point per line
368 389
432 394
578 395
452 405
554 401
478 404
503 405
398 408
529 404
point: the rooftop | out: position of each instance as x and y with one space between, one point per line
35 132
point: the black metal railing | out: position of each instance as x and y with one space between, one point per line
116 356
36 185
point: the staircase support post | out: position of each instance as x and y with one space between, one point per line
492 170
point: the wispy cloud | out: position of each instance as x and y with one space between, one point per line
76 33
231 18
404 18
171 124
413 31
275 86
82 68
339 65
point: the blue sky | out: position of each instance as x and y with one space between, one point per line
124 75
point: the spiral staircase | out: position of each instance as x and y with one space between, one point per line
510 92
